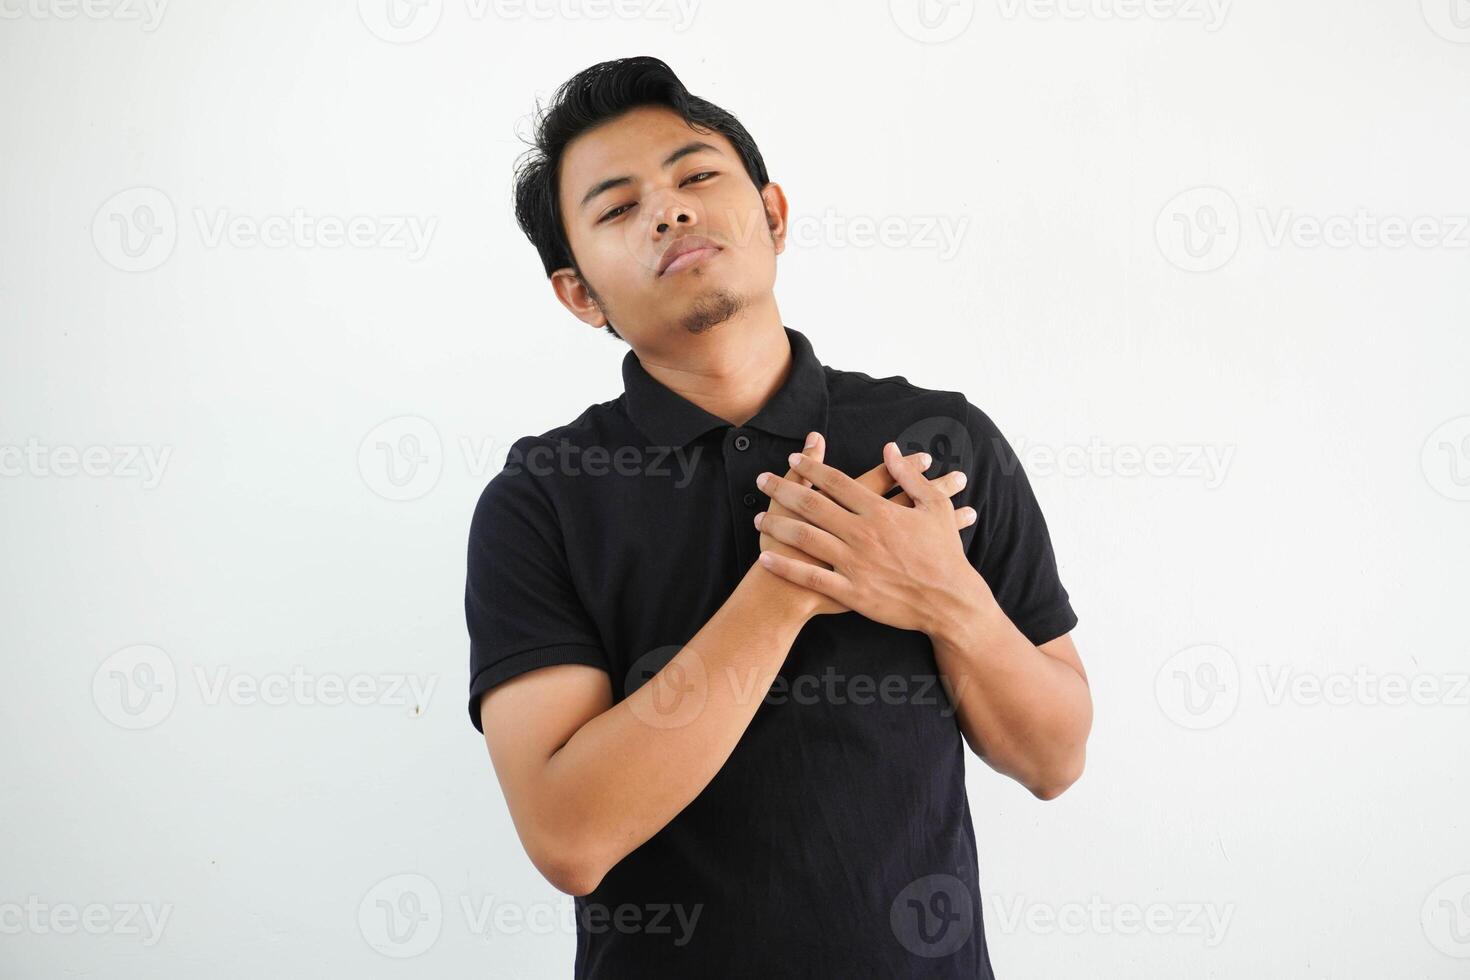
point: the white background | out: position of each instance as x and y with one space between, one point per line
1234 821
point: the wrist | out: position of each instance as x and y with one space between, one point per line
963 613
792 602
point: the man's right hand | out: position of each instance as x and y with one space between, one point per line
880 481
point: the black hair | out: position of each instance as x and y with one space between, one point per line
589 98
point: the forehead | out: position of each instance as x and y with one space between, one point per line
633 144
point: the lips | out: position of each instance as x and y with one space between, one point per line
694 247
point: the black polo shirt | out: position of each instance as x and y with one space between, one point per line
836 841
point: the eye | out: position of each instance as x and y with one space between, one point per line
694 178
613 213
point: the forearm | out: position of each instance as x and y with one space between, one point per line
629 771
1026 713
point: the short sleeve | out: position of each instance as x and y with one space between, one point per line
1011 547
521 607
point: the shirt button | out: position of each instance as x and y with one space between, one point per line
742 442
750 499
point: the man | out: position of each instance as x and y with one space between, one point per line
728 715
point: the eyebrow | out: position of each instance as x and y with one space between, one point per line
693 146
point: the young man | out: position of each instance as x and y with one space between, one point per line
739 768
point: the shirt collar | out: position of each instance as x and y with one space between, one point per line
799 406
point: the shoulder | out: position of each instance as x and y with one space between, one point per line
943 422
528 474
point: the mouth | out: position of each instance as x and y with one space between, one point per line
691 254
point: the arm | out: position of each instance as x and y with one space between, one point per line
588 781
1025 709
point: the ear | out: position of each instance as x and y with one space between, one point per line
774 200
573 293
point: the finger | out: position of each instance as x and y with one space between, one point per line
910 476
818 579
836 484
879 480
802 536
963 516
814 448
807 503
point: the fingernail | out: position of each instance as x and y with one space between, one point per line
811 440
760 481
760 517
794 458
960 477
926 459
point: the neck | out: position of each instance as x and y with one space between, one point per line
730 370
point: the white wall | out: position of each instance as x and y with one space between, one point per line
1039 166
